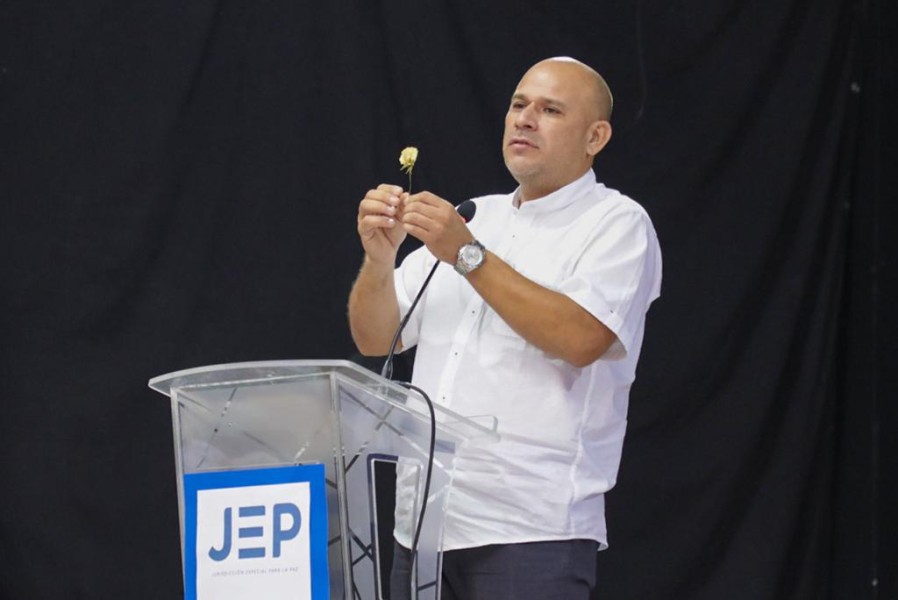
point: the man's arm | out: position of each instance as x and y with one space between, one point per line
547 319
373 307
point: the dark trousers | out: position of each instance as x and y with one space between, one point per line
564 570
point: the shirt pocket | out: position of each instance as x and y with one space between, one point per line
496 325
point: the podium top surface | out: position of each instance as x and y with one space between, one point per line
266 372
247 372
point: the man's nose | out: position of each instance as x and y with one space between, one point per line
526 118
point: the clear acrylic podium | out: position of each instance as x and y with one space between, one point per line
335 413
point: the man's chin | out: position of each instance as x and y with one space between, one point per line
520 169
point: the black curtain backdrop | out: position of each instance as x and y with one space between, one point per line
179 188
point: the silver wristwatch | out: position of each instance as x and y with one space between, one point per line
470 256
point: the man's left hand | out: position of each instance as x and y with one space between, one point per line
435 222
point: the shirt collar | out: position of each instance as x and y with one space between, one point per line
558 199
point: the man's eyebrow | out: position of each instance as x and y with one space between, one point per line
543 99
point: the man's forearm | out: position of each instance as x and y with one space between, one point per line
547 319
373 309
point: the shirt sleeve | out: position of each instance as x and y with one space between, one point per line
618 275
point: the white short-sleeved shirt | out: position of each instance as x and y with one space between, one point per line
562 427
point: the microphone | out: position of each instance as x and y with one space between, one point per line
466 210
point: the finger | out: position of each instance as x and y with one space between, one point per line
420 207
370 206
371 223
377 220
417 232
390 188
403 200
425 198
422 223
389 194
377 201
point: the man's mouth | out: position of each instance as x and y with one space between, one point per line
519 141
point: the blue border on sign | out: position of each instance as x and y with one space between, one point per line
312 473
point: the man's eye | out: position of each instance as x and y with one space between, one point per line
551 110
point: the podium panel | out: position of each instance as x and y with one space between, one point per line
262 415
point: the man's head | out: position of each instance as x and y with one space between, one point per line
557 122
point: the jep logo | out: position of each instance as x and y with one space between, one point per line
256 531
256 539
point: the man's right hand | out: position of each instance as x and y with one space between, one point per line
373 307
379 223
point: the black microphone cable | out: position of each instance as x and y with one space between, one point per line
427 476
387 371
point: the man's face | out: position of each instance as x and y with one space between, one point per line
548 128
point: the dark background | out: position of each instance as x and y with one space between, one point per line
179 182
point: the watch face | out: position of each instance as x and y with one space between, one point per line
471 255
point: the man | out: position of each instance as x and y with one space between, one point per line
540 324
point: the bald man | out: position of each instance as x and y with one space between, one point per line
540 323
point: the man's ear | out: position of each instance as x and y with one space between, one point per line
599 136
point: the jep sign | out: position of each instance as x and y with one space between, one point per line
253 515
259 533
